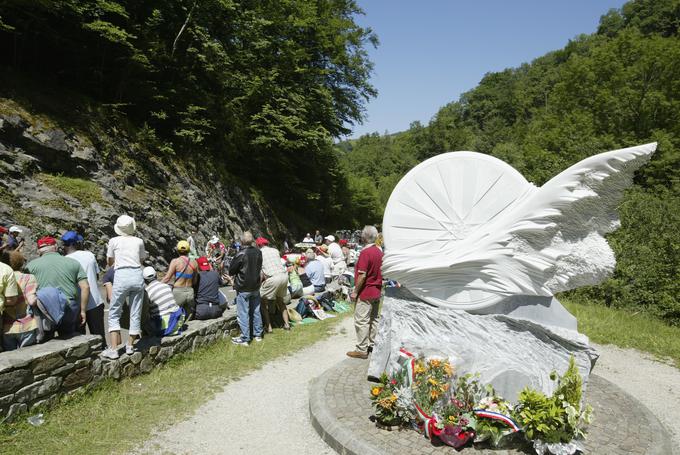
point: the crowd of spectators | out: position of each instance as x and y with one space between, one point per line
58 292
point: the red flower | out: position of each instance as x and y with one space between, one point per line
393 382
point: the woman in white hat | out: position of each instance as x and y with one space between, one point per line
125 254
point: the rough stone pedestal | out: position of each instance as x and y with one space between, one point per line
510 351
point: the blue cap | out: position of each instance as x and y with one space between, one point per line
71 237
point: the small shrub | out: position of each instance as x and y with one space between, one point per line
83 190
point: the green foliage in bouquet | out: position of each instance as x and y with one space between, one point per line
556 418
457 410
490 430
393 399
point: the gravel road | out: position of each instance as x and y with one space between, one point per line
267 411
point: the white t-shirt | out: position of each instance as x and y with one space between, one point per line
89 263
336 253
327 264
127 250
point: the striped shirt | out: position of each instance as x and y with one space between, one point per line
162 301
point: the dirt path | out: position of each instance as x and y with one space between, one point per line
654 384
267 411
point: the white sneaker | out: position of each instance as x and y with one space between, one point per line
129 350
110 353
257 338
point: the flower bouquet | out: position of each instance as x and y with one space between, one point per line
457 424
393 401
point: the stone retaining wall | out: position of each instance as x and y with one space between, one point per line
38 375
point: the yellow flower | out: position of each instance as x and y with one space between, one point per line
419 369
393 398
448 369
435 363
375 391
433 381
434 394
385 403
452 418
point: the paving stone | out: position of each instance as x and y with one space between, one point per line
340 408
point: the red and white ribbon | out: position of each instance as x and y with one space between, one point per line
497 416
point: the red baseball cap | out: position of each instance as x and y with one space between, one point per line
203 264
343 242
261 241
46 241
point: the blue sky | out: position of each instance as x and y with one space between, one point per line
431 51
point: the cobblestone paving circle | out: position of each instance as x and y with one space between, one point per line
340 411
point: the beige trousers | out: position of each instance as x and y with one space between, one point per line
366 318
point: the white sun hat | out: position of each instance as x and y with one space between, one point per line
125 225
149 272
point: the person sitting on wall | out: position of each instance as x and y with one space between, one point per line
165 316
337 257
182 271
215 251
315 271
19 327
325 259
209 305
14 242
297 279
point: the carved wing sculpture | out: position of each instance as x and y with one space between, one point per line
466 230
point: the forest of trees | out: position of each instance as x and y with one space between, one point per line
255 89
615 88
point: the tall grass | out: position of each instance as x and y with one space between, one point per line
627 329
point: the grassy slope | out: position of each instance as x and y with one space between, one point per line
98 422
627 329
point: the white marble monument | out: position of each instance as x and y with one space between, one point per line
483 251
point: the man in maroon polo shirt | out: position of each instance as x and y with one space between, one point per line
367 292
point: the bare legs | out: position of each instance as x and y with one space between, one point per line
116 339
279 306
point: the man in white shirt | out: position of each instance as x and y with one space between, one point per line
336 255
94 315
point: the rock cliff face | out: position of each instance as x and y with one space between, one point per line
55 177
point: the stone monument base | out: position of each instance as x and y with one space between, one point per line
340 410
510 351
